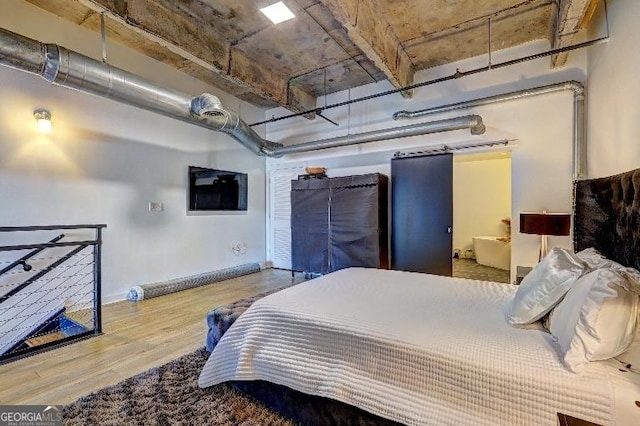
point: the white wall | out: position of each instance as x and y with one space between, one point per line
540 127
106 161
614 91
481 198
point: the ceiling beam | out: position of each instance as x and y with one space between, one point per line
369 30
573 16
177 40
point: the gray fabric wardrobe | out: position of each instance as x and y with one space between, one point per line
339 222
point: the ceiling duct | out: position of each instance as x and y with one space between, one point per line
71 69
579 120
67 68
207 105
471 122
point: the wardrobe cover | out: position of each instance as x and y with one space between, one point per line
339 222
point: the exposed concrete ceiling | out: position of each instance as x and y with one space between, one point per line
331 45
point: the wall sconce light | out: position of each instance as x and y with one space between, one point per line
43 120
544 224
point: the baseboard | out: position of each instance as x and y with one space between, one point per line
113 298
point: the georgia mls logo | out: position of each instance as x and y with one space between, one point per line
51 414
30 415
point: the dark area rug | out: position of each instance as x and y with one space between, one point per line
169 395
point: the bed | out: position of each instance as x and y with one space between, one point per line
419 349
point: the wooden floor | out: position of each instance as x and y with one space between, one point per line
137 336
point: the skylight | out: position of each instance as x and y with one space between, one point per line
278 12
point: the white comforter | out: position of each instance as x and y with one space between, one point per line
415 348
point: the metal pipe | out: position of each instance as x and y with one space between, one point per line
209 108
490 50
458 74
579 135
74 70
21 53
103 38
67 68
450 148
472 122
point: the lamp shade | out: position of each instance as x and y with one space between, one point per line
545 223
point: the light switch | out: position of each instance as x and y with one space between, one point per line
155 206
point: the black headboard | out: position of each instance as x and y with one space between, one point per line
607 217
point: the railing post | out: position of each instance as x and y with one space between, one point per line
97 280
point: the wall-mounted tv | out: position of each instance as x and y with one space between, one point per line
213 190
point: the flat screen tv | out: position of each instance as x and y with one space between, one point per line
217 190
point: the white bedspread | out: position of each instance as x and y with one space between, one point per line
415 348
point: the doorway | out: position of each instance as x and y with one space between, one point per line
482 215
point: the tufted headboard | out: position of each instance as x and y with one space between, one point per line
607 217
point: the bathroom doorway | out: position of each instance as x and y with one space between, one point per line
482 215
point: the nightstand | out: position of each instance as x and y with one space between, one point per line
521 272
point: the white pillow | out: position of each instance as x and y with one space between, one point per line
596 260
631 356
596 320
543 287
593 258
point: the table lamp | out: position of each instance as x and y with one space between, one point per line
544 224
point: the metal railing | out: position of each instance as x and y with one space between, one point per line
54 299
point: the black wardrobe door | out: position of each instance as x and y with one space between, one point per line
422 214
310 230
354 235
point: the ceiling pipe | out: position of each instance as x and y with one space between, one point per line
70 69
579 134
458 74
471 122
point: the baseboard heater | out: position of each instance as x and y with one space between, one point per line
147 291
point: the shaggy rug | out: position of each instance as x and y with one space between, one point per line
169 395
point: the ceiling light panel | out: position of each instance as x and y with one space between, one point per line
278 12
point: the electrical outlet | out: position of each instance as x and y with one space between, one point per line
239 249
155 206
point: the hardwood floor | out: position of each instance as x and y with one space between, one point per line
136 336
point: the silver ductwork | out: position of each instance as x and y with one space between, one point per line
579 135
209 108
74 70
472 122
70 69
21 53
